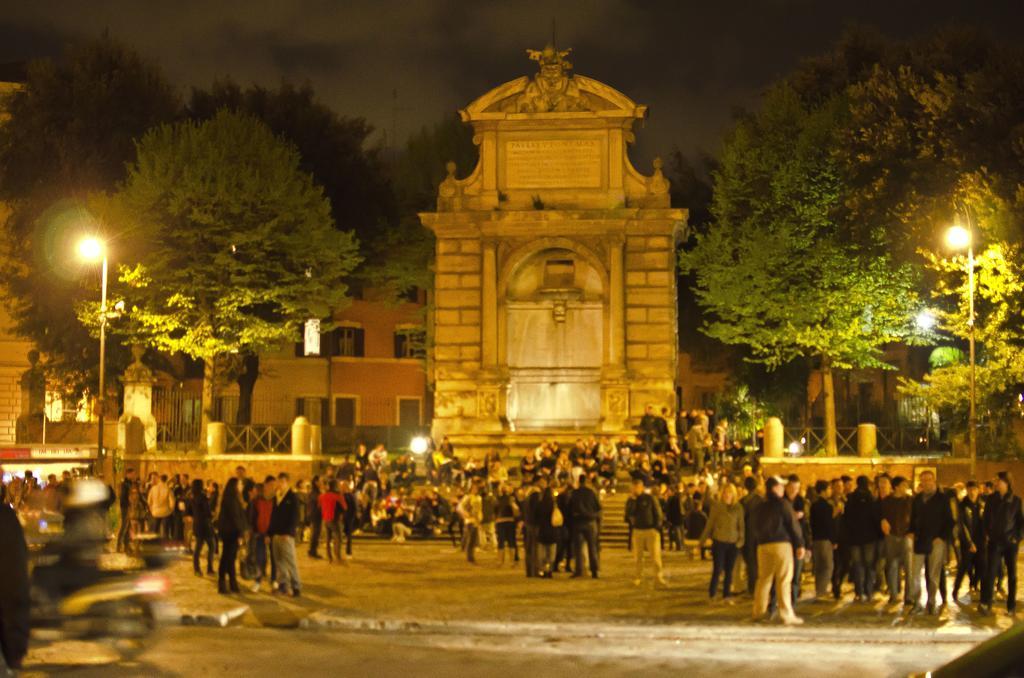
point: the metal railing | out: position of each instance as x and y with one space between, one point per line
267 439
889 440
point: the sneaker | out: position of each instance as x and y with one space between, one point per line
793 621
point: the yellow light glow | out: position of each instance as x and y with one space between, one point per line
90 249
958 237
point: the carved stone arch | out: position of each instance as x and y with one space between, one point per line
523 253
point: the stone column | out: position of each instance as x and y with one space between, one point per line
867 440
489 308
616 307
136 429
774 438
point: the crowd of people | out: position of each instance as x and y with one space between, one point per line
883 536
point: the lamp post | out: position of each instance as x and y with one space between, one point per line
958 238
93 249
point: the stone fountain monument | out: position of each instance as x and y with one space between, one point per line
555 287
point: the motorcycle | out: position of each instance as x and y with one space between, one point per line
75 598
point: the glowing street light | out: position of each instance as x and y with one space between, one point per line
419 445
93 249
959 238
925 321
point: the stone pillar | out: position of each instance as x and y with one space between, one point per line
136 428
300 436
216 437
489 308
616 306
867 440
774 438
316 432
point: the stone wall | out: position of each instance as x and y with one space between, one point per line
457 326
222 467
10 404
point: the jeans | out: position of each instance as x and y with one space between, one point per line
201 539
530 549
333 546
931 565
471 541
258 552
314 537
585 533
545 553
750 560
283 546
998 556
228 554
798 570
862 562
821 551
898 552
723 555
966 565
122 531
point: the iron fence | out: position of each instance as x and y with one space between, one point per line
894 440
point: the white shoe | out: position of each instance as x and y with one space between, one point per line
255 588
793 621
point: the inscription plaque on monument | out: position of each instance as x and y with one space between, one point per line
553 163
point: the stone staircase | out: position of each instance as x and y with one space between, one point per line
614 531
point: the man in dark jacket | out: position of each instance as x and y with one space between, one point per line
643 513
823 534
971 541
1004 527
124 503
931 527
750 502
585 510
284 520
779 540
531 528
315 516
14 590
863 530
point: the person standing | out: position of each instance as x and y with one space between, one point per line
531 528
470 509
1004 527
697 441
750 502
232 525
350 516
124 503
823 535
931 524
972 541
725 530
161 506
585 509
798 504
315 517
331 509
14 590
284 521
862 522
895 523
202 527
506 513
779 539
645 516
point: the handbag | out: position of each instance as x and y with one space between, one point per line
557 519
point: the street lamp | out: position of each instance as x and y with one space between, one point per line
93 249
959 238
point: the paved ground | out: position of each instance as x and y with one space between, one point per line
420 609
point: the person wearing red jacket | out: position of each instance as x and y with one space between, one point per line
332 507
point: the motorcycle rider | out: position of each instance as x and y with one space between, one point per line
14 590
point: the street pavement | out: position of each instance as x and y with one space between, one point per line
421 608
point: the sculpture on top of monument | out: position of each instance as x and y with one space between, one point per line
553 89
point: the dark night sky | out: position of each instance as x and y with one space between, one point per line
691 62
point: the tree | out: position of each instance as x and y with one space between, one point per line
776 271
335 150
70 133
999 333
236 245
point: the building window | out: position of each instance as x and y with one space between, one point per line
409 412
559 273
410 343
341 341
345 412
313 409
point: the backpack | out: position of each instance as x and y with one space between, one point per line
557 519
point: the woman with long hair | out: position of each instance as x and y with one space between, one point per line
725 531
232 525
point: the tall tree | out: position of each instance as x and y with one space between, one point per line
70 132
333 148
236 245
775 270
